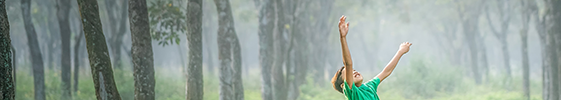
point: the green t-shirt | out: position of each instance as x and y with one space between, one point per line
367 91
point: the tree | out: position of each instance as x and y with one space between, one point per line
194 38
98 53
142 55
504 16
117 16
7 86
279 46
550 37
528 9
63 8
35 51
77 53
266 26
468 13
231 85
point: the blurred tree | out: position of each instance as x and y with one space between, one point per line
117 16
77 42
529 8
280 50
194 38
231 84
63 8
266 58
298 52
35 51
7 84
468 13
504 15
100 62
551 36
320 42
142 55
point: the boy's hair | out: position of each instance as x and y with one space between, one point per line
337 80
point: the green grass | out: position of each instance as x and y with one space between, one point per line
420 81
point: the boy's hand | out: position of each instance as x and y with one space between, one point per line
343 27
404 47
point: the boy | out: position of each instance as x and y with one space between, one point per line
349 81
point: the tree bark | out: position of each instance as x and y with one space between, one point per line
63 8
35 51
231 84
266 26
194 38
98 53
7 86
142 55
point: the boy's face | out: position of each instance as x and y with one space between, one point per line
357 77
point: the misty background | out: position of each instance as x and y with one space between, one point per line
458 49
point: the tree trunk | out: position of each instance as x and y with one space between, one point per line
194 38
117 15
142 55
98 54
278 82
7 86
63 8
525 63
551 88
231 84
266 26
77 53
526 12
469 27
35 51
506 56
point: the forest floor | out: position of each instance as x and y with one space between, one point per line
408 85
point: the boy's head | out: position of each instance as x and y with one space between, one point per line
339 79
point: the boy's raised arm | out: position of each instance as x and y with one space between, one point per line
343 29
403 48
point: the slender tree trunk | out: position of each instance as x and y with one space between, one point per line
7 85
506 56
194 37
35 51
63 8
266 26
469 26
525 63
142 55
231 85
528 8
98 53
77 53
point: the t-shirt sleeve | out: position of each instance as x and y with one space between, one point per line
349 93
373 84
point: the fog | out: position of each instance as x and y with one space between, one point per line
439 65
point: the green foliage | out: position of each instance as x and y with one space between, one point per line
167 21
